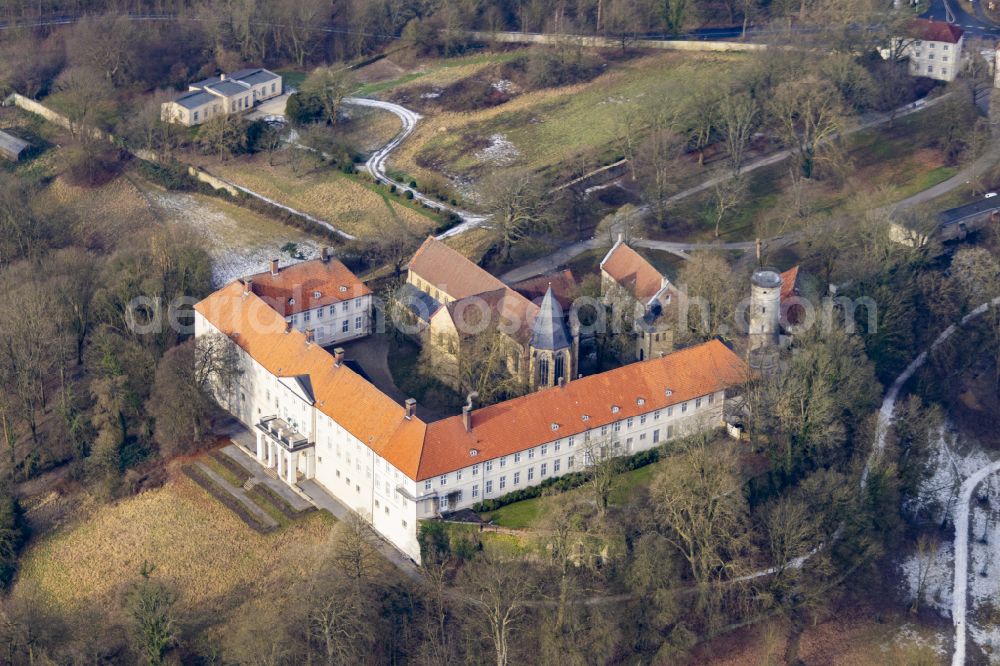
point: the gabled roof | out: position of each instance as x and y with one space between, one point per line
307 285
632 272
789 282
340 393
195 99
302 385
525 422
450 271
563 284
936 31
11 145
549 330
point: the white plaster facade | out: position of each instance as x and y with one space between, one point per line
336 322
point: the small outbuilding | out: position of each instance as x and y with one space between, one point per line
11 147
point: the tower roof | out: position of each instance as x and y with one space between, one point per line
549 330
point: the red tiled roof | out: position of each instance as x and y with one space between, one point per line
631 270
936 31
308 285
525 422
563 283
420 450
343 395
789 282
450 271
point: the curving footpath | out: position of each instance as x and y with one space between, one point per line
376 164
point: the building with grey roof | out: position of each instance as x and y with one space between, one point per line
222 95
11 147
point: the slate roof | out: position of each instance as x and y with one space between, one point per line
195 99
228 88
255 76
549 330
419 302
12 146
205 82
953 215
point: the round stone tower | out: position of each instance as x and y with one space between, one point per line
765 308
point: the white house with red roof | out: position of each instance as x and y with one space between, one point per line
935 50
322 296
316 420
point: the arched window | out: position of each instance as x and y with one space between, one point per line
516 361
560 368
543 371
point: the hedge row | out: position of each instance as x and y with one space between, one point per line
564 482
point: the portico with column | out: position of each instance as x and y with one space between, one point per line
279 447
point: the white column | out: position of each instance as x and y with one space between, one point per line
280 459
270 453
311 464
260 445
293 464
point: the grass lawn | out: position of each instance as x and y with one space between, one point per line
438 72
520 515
198 546
546 128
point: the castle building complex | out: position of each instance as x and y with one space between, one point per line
314 417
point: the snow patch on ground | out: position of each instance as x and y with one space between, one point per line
503 85
500 151
937 570
908 635
433 94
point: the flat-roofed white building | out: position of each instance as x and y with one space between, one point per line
222 95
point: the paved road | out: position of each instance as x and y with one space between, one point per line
376 164
952 12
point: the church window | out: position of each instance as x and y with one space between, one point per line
543 371
560 369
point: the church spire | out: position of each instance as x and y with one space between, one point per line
549 330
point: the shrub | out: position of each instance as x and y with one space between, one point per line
413 183
302 109
94 166
392 188
409 194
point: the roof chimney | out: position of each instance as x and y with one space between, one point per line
562 381
274 267
411 408
467 412
338 356
222 77
325 255
288 326
310 335
247 287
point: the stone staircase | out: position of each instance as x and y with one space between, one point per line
249 484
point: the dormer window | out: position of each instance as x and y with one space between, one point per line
585 417
316 294
669 393
640 401
473 453
343 289
291 301
614 409
554 426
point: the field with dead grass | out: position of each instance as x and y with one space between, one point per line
547 129
326 194
199 548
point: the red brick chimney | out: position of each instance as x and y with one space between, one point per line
247 287
338 356
288 326
274 267
411 408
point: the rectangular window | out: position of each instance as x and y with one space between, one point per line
443 480
531 473
357 323
319 313
711 398
344 327
427 484
618 426
357 303
555 466
604 430
503 482
196 115
656 436
697 403
517 458
628 424
458 475
475 490
517 478
570 442
555 447
489 487
503 461
531 454
642 419
569 462
544 470
656 415
489 465
670 411
544 449
306 316
444 502
343 306
333 309
475 470
670 431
